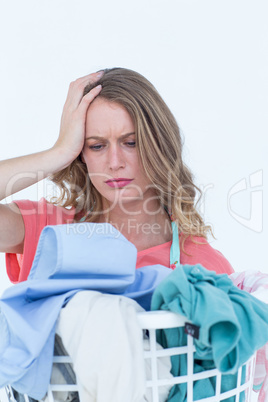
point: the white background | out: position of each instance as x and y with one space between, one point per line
208 59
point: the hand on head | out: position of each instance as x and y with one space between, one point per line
72 129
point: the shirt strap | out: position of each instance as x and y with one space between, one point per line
175 246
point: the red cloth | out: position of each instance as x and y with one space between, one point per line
38 214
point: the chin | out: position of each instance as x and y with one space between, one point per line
123 199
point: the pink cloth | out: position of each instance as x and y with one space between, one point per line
256 283
37 215
196 251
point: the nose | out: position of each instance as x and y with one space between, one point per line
116 158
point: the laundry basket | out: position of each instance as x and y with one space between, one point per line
151 322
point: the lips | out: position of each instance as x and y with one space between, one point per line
118 182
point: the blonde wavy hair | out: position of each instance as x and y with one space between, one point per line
159 146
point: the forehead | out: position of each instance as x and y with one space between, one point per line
104 115
101 106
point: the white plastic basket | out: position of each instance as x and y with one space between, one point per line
151 321
161 320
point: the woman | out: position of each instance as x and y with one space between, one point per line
118 159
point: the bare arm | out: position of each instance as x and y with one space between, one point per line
19 173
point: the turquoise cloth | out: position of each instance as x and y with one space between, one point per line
233 325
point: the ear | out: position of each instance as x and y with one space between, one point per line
81 156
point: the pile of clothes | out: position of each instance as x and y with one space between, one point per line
90 292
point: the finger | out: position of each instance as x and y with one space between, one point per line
93 77
88 98
76 88
87 79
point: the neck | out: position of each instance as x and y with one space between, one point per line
143 228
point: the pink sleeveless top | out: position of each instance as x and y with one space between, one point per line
38 214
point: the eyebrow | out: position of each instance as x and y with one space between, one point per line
96 137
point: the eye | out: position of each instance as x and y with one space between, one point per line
96 147
131 144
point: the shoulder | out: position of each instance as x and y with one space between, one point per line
197 250
44 212
36 215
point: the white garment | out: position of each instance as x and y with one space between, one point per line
101 334
256 283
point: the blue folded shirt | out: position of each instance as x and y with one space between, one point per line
69 258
